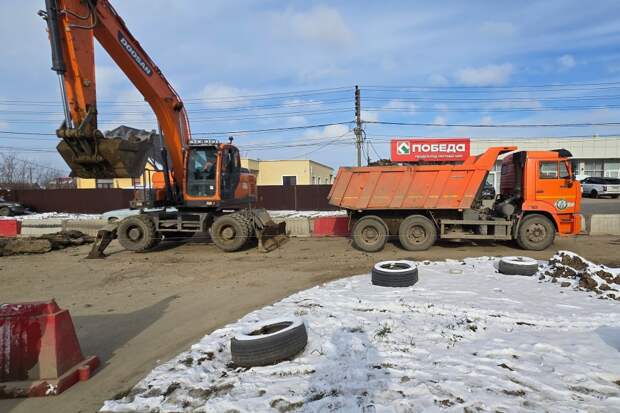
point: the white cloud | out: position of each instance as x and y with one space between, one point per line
440 120
221 96
296 121
486 120
566 62
489 75
369 116
321 24
498 28
437 80
401 105
108 80
330 131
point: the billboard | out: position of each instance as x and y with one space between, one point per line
430 150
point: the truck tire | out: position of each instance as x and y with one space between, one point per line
518 266
394 274
138 233
271 342
369 234
229 232
5 212
536 232
417 233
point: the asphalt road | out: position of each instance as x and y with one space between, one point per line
600 206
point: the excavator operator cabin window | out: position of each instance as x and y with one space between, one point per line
202 171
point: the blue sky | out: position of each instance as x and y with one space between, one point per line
472 58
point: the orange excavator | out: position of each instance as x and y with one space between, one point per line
203 179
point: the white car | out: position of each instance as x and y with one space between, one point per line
595 187
118 214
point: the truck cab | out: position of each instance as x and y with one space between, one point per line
542 182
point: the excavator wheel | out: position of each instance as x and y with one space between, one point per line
247 218
230 232
138 233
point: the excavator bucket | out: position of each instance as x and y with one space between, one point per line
270 235
122 153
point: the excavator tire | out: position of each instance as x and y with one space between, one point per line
138 233
230 232
246 216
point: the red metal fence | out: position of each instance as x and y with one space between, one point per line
96 201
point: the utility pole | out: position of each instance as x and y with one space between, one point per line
358 126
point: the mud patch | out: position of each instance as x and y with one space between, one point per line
571 270
44 243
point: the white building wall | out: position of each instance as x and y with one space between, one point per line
594 156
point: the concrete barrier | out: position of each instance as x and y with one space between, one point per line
35 227
87 226
296 227
604 224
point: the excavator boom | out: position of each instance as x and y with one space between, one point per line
73 25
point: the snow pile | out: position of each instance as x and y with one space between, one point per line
464 338
571 270
305 214
54 215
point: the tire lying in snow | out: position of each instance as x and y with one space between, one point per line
271 342
518 266
395 274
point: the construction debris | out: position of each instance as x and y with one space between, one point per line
571 270
43 243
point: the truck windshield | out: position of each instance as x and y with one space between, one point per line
201 171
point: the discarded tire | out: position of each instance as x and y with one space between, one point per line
395 274
518 266
269 343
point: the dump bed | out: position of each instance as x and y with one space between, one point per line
414 187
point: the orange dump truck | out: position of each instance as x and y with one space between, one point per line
538 198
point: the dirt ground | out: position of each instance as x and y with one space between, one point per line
136 310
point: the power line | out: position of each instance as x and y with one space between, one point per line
463 87
271 129
220 99
473 125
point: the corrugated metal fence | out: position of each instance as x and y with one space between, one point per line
95 201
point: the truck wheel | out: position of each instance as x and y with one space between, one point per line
417 233
5 212
536 232
138 233
271 342
229 232
370 234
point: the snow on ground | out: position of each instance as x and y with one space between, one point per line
274 214
464 338
305 214
54 215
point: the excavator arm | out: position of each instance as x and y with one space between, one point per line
73 25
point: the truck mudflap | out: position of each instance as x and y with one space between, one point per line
270 235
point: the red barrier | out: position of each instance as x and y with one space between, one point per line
10 227
331 227
39 351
